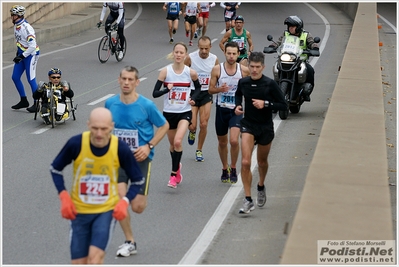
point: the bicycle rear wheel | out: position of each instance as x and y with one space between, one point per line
118 47
104 51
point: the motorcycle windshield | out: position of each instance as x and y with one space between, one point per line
290 45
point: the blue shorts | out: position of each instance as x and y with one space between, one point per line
225 119
91 230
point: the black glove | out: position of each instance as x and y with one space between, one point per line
315 48
18 59
99 24
273 46
115 27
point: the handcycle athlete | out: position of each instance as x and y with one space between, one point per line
62 90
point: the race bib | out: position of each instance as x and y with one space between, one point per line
227 100
177 97
130 137
204 80
94 189
228 14
240 42
173 9
191 12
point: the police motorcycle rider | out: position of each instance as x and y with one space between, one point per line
295 27
62 91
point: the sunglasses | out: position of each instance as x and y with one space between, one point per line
55 77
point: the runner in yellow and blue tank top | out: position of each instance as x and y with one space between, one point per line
94 201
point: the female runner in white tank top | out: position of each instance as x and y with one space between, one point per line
174 84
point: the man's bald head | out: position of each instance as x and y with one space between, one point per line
100 125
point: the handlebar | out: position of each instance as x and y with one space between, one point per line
273 49
110 26
310 52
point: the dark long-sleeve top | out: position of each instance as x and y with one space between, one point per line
265 89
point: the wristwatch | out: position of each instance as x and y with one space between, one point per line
151 146
266 103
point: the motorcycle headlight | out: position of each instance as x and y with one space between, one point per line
286 57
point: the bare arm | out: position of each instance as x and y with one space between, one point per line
216 62
214 79
244 71
250 43
224 40
187 61
160 133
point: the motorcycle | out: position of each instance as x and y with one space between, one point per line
290 70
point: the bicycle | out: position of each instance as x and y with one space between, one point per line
57 110
110 45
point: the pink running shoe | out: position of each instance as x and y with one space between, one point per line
172 182
179 176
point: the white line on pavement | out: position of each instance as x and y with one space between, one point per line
42 130
204 240
101 99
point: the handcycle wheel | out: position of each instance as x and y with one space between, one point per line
72 108
104 50
37 108
118 46
53 109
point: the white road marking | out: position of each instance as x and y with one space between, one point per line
100 100
205 239
42 130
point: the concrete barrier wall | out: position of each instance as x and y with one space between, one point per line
42 12
349 8
52 21
346 194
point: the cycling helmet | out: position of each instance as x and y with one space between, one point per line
54 71
240 18
17 10
294 21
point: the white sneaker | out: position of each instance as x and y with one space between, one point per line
127 249
120 54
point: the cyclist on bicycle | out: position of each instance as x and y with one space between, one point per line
117 13
62 91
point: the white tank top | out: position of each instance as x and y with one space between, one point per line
176 101
203 68
204 6
227 99
191 9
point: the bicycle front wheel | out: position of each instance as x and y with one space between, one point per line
119 56
104 50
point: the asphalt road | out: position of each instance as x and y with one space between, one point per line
172 230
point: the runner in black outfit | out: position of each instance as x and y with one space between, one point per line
262 95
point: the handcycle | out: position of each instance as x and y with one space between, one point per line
56 108
110 45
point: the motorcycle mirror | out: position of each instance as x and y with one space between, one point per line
270 38
317 40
